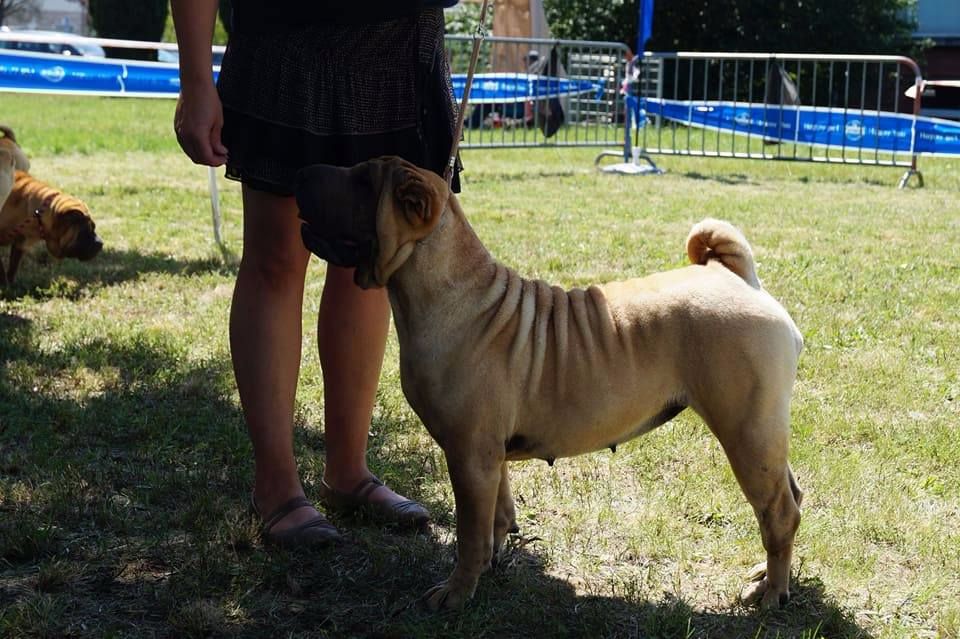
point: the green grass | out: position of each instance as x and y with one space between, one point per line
125 467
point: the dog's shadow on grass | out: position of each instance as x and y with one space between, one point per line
43 277
371 586
124 507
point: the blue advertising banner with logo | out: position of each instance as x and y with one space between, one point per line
50 73
499 88
832 127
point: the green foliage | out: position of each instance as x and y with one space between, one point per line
602 20
130 20
463 19
221 29
225 11
820 26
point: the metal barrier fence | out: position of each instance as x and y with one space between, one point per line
544 92
541 92
846 109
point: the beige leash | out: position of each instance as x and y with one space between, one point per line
478 37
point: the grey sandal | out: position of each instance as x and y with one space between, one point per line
311 533
404 513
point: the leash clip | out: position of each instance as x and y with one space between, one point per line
480 32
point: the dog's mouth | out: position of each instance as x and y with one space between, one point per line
89 249
348 252
79 239
338 209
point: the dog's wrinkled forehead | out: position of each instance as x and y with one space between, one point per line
338 208
335 200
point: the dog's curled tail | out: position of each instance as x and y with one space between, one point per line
7 132
718 240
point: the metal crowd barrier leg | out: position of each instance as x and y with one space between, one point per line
905 179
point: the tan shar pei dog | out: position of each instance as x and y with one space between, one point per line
504 368
36 213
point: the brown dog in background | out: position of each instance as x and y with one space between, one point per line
12 159
35 212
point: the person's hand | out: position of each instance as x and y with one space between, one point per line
197 122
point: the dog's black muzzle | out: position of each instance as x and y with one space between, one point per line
338 208
339 251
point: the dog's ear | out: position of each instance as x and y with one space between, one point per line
418 198
411 205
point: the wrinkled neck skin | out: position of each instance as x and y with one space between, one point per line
420 291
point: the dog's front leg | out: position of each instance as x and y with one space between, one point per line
16 254
505 520
475 471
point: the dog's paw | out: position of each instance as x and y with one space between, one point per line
445 595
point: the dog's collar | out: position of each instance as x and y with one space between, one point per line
38 218
38 214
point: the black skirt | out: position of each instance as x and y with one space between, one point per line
335 94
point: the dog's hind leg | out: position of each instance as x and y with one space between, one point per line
505 518
756 446
475 471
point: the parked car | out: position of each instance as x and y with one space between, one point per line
63 48
173 57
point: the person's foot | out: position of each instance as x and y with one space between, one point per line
295 523
376 498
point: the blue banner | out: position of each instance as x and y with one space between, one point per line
50 73
644 25
830 127
499 88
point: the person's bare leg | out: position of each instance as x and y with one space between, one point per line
351 336
265 333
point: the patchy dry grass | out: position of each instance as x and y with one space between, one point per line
124 465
